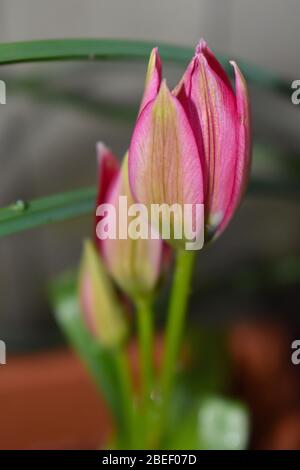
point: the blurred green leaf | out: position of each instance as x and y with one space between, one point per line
206 373
222 424
88 49
121 49
23 215
100 362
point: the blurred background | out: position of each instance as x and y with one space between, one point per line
248 282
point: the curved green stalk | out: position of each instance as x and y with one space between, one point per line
125 382
176 316
121 49
145 338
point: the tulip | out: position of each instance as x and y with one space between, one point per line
134 264
192 145
100 306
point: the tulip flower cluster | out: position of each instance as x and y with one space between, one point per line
190 145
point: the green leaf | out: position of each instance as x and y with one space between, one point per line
88 49
115 49
23 215
100 362
222 424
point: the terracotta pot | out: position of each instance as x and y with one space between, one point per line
47 401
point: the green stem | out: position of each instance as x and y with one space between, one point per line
114 49
124 375
176 316
145 337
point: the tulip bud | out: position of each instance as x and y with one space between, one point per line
101 309
193 145
164 165
134 264
221 123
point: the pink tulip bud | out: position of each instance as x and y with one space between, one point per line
134 264
100 306
193 145
164 165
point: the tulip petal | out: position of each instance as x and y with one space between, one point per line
220 121
202 48
164 165
243 157
153 79
108 168
183 93
209 101
133 263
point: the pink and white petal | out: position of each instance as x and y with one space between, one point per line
153 79
243 158
134 264
216 109
183 93
108 168
203 49
164 164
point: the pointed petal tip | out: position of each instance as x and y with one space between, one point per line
102 149
201 46
105 157
165 100
107 169
240 80
203 55
164 86
153 78
164 94
154 60
235 66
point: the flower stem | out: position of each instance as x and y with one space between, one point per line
176 316
124 375
145 337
